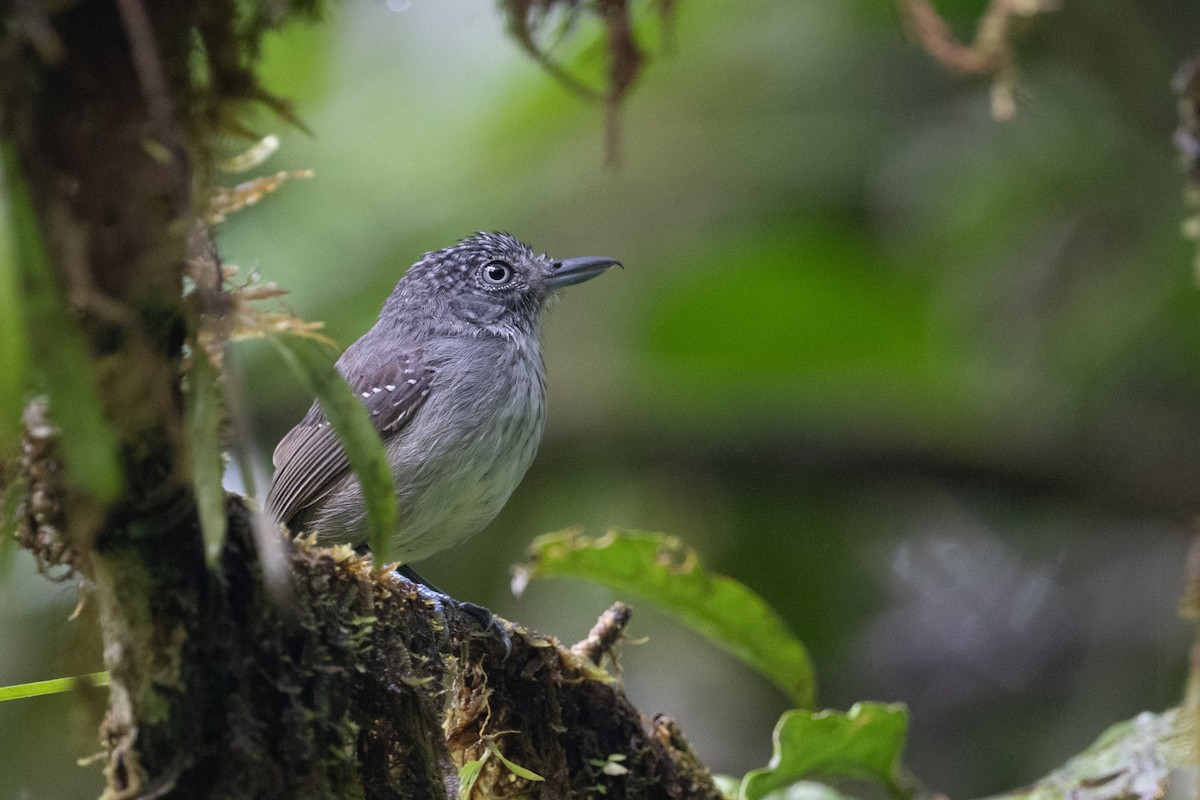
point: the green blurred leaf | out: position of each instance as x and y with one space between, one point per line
1132 759
313 364
295 62
14 348
59 354
727 785
808 306
52 686
203 417
807 790
14 356
663 571
863 743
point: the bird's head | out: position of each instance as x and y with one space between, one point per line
487 283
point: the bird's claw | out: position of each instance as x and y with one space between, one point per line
481 615
488 621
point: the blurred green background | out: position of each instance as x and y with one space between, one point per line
927 382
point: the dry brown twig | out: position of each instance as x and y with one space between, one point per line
990 53
608 630
528 18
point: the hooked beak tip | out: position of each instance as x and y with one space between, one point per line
577 270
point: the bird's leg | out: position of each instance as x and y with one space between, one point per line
408 572
440 601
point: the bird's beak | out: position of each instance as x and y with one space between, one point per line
578 270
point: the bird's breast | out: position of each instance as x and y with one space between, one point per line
460 458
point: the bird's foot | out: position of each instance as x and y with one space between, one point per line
488 621
441 602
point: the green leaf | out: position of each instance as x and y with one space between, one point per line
203 419
663 571
468 773
808 790
295 62
59 354
14 348
727 785
863 743
515 768
53 686
1132 759
313 364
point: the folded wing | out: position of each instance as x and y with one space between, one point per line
309 460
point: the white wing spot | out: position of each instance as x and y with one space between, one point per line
391 387
366 395
412 381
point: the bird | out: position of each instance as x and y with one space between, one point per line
453 378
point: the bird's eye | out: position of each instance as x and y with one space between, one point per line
497 273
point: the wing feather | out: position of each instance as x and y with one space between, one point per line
309 460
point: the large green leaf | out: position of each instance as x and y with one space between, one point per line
313 364
663 571
1134 759
864 743
59 354
203 415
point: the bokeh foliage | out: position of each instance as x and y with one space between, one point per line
925 381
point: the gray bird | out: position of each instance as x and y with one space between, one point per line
453 377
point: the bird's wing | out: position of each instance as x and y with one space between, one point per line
310 460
